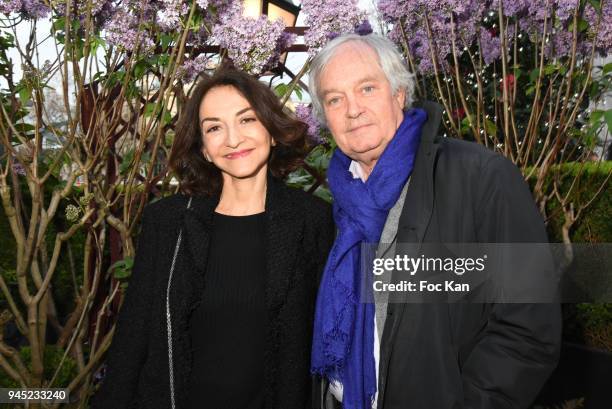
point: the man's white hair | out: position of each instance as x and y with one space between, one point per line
390 60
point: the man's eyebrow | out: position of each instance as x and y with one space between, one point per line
214 118
361 81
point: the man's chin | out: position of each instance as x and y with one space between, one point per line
366 154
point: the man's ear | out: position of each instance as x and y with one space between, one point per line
400 97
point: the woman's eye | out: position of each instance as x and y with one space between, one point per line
212 129
368 88
248 119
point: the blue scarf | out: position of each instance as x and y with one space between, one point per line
343 340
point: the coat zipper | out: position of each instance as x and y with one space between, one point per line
168 316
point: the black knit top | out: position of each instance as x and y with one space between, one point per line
228 328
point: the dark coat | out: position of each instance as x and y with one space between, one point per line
462 355
299 235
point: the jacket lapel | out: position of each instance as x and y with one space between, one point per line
413 223
284 230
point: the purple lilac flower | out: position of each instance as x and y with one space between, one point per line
490 46
30 9
513 7
561 44
326 19
252 44
169 15
565 8
603 40
192 68
19 169
96 6
10 6
122 30
364 28
413 15
305 114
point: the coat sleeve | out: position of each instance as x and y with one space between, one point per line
520 345
128 350
326 233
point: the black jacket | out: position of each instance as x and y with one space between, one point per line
299 234
466 355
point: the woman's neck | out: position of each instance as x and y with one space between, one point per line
242 197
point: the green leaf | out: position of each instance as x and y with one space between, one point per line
122 269
149 109
281 89
25 128
167 118
59 24
596 5
298 92
490 127
607 68
549 69
165 40
608 118
24 94
163 60
140 68
533 75
126 162
595 116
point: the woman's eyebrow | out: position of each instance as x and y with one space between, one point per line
214 118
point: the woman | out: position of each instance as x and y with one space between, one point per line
219 310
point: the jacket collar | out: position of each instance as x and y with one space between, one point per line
283 232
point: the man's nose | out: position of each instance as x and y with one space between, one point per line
354 107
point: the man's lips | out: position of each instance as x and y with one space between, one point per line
238 154
356 128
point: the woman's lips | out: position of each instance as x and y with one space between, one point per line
238 154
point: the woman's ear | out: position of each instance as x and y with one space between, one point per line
206 155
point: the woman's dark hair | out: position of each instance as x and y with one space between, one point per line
196 174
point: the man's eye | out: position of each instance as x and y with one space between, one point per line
333 101
368 88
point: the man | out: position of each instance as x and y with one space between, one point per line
396 180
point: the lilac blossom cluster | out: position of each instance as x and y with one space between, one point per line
97 6
475 25
253 44
125 31
192 68
328 19
30 9
601 25
169 15
304 113
410 15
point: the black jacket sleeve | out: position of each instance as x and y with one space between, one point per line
128 350
520 345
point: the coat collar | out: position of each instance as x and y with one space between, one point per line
284 229
283 232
